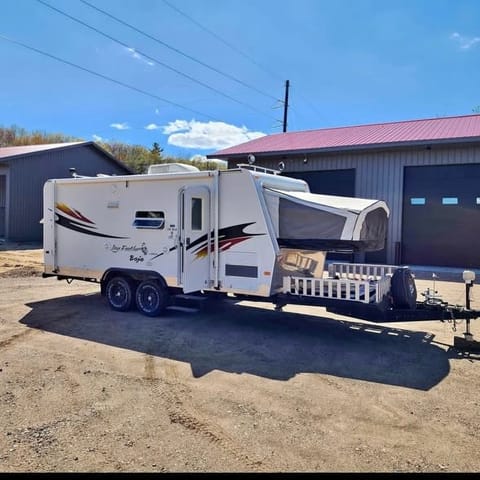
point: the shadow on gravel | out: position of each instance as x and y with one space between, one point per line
241 339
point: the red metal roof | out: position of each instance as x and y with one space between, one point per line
24 149
380 134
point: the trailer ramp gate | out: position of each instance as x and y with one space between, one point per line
364 291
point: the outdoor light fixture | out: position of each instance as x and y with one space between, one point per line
468 276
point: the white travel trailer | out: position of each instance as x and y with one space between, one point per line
247 231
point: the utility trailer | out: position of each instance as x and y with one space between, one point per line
251 232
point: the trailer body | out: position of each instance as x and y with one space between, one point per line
249 231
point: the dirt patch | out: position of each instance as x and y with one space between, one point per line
20 260
241 388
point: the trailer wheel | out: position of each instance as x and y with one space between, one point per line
151 298
120 293
404 291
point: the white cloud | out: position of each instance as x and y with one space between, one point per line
152 126
134 54
207 135
464 42
176 126
98 138
120 126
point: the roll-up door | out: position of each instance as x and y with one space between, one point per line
441 216
329 182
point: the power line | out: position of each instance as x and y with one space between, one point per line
234 48
219 38
309 104
227 75
150 58
105 77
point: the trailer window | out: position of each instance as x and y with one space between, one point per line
196 213
149 219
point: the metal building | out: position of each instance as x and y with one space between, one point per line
428 172
23 172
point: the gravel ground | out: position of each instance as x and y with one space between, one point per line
240 388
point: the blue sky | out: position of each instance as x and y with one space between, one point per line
214 73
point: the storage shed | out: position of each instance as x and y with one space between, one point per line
427 171
23 172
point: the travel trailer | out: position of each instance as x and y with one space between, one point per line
250 232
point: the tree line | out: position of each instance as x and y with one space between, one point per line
137 157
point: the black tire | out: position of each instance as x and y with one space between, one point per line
404 291
151 298
120 293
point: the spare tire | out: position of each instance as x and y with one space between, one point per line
403 289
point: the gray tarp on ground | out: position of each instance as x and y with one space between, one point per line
327 222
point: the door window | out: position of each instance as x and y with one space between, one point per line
196 213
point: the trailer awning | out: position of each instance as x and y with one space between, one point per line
326 222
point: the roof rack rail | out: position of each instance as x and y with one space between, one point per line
255 168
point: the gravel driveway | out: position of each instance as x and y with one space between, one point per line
240 388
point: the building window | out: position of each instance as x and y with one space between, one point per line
196 213
449 201
417 201
478 200
149 219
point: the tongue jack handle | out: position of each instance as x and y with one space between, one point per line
467 342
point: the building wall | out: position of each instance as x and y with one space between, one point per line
379 174
3 199
27 175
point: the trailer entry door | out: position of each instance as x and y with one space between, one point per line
195 238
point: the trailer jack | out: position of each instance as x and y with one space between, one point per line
467 342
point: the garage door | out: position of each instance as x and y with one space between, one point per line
441 216
329 182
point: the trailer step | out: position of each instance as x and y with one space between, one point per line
179 308
190 301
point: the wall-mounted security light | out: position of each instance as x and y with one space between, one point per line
468 276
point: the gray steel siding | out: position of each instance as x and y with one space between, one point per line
379 174
3 203
28 175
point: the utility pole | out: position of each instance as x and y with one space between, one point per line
285 106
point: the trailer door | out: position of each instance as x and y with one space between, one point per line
195 238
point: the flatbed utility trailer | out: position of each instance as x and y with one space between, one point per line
249 231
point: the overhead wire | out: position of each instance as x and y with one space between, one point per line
180 52
237 50
105 77
219 38
123 44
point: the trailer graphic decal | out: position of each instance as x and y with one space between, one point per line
74 220
227 238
